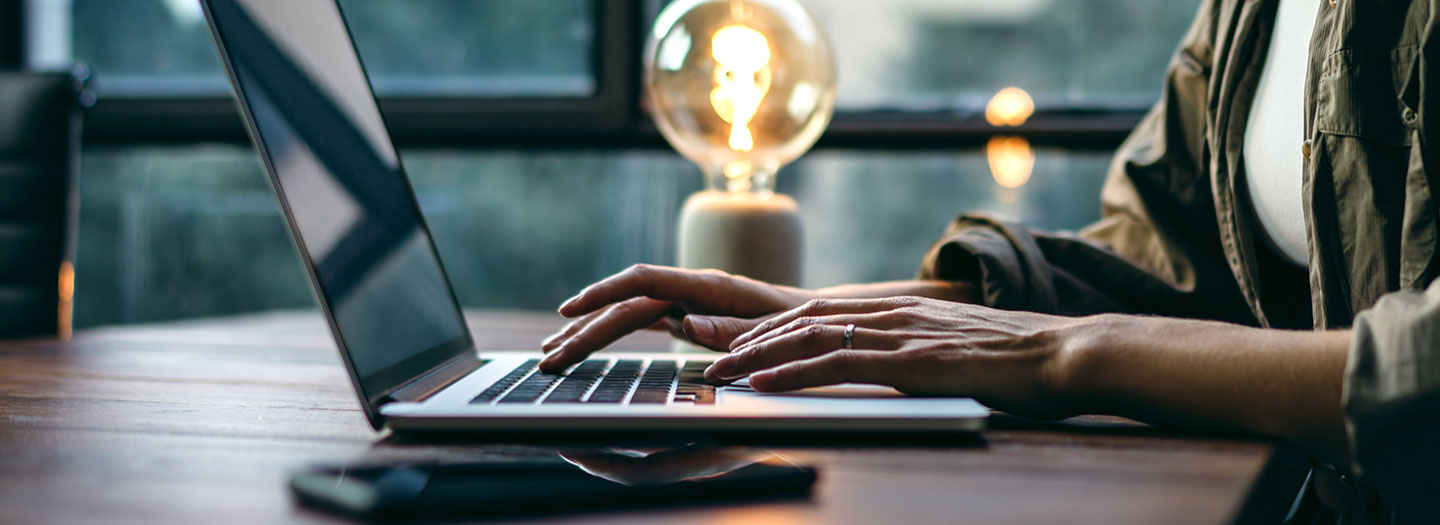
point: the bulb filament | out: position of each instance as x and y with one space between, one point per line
742 78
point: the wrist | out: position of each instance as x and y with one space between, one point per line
1084 358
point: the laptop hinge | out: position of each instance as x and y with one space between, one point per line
421 388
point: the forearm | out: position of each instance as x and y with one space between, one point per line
955 291
1280 383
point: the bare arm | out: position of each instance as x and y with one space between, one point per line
1197 374
954 291
1213 375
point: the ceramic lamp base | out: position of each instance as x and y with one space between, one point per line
755 235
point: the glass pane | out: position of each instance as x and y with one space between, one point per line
954 54
434 47
521 229
957 53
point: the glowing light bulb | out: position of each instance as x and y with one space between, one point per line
740 87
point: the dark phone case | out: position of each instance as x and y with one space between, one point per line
406 492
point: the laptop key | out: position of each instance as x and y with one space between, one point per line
577 382
531 388
499 387
692 386
616 384
654 386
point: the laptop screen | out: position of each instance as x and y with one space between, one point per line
352 211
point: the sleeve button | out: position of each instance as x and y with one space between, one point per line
1305 149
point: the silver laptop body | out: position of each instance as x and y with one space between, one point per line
311 113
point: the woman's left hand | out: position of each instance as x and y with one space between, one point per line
1012 361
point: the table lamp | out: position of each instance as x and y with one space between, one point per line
741 88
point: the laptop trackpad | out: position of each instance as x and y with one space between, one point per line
848 400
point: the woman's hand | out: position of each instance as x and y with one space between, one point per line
645 296
1007 360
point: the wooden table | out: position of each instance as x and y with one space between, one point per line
200 422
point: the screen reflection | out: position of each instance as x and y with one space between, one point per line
352 208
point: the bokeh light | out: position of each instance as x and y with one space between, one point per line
1011 106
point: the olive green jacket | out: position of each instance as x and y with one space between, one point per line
1177 236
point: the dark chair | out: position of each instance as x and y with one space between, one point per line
40 116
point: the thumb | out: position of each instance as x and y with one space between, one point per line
716 332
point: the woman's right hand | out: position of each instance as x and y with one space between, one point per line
646 296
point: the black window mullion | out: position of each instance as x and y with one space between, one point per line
1059 127
12 34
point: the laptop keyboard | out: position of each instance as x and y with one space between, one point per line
654 386
577 382
603 381
493 393
617 382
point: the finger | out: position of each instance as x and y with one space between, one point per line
874 321
716 332
841 366
613 323
806 343
817 308
708 290
670 325
550 343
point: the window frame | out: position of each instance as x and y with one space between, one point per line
12 34
610 118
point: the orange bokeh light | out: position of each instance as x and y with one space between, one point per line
1011 106
1011 160
67 299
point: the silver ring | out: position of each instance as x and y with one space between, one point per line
850 336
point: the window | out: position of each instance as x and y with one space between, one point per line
521 129
428 48
926 55
519 228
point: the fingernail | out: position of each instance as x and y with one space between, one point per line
566 304
701 329
721 367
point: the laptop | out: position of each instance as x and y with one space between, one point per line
353 216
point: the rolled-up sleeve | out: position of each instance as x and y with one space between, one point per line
1392 383
1392 399
1156 248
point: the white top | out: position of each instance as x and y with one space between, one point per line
1276 131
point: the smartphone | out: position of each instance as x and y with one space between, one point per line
426 491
